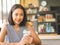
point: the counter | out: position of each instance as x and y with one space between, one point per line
49 36
50 39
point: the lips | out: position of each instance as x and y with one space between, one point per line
18 20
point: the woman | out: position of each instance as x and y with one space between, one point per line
17 24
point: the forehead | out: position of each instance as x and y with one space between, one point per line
18 10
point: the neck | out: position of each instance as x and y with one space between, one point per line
16 25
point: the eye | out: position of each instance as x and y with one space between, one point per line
16 14
21 14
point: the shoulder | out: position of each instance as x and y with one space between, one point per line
4 26
3 29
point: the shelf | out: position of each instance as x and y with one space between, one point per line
32 11
32 14
58 24
32 7
46 12
46 33
46 22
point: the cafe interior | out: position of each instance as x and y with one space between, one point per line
43 15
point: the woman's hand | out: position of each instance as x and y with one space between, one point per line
27 39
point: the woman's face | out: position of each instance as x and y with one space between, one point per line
18 16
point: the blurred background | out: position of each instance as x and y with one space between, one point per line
43 14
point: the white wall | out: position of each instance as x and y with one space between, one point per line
5 6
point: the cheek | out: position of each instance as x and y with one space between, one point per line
13 17
22 17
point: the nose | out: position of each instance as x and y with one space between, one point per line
18 16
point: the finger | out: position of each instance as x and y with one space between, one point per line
28 39
27 34
25 38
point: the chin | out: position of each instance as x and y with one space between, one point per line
18 23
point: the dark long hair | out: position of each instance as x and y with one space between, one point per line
10 20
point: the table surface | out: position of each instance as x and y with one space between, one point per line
49 36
